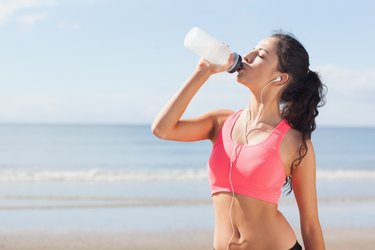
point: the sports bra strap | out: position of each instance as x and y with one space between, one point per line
281 129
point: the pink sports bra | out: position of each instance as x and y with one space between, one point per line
257 170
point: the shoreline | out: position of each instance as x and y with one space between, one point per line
335 238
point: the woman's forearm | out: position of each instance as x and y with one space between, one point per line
313 238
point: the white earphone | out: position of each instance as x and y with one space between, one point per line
277 79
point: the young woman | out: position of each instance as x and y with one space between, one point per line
258 149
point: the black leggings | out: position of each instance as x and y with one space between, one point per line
297 246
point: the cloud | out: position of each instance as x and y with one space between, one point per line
349 84
45 107
31 19
69 25
11 8
350 96
349 101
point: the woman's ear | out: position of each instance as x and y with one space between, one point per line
284 77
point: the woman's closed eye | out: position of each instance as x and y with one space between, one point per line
261 55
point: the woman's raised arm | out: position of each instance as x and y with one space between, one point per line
168 124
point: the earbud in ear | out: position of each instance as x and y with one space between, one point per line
277 79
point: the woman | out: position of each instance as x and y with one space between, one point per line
259 149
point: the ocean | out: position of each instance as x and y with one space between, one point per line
121 177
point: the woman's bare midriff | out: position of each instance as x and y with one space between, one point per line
257 224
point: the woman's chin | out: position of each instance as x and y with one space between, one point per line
240 79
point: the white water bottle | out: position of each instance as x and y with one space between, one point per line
204 45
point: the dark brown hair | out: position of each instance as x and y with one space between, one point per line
303 94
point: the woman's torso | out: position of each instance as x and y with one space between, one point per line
257 223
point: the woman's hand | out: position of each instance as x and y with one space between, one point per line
214 68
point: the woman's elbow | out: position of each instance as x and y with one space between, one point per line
155 129
159 131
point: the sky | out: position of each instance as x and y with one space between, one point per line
120 61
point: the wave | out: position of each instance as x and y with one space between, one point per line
345 174
102 175
39 202
152 175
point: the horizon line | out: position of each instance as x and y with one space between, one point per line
142 124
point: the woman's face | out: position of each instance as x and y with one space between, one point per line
260 64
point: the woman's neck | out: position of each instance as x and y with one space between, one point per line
267 112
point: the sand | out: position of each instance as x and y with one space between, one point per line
177 239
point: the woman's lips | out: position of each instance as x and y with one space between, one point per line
241 67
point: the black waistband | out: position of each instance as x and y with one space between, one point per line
297 246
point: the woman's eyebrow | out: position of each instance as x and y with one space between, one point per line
262 49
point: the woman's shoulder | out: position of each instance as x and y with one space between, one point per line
292 139
295 134
296 137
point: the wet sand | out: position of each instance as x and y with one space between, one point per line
167 240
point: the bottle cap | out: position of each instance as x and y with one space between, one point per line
236 63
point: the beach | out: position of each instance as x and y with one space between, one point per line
343 239
105 216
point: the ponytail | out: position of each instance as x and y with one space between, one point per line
302 100
302 96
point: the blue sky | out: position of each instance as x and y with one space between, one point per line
95 61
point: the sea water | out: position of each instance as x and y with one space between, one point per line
123 177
